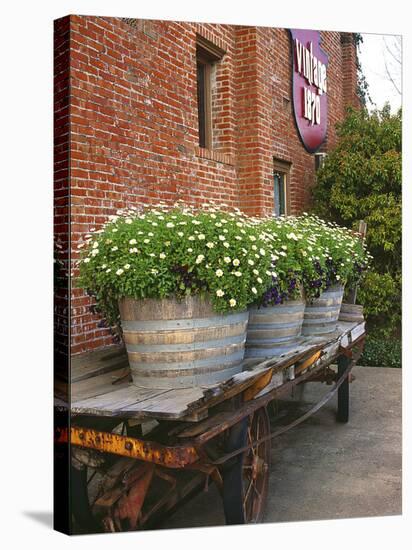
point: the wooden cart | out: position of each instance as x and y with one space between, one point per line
137 453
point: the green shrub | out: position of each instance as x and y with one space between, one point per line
381 352
361 180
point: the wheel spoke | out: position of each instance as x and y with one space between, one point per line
247 493
256 491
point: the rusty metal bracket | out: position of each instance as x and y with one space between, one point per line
149 451
258 385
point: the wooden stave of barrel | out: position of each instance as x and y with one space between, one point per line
351 313
274 330
322 314
181 343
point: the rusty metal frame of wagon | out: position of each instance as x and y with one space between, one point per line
153 459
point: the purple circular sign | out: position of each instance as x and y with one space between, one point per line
310 87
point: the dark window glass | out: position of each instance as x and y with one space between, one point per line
201 103
279 190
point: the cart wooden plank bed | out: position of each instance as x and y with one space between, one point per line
153 448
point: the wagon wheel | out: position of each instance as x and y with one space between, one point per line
245 481
343 392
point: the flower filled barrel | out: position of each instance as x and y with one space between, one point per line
178 281
340 260
190 289
275 319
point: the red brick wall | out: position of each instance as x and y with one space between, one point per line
134 129
61 186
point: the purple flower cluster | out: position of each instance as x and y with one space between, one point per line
274 295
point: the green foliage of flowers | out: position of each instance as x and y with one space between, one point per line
236 260
361 179
314 254
164 252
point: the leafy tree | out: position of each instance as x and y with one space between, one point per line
361 179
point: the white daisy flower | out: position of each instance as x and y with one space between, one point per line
259 280
227 260
86 260
226 244
219 273
210 245
146 241
222 238
236 262
254 290
191 238
95 244
180 233
170 225
162 255
232 302
132 241
127 266
262 252
200 259
220 293
114 248
119 271
95 252
237 273
128 221
190 249
201 237
108 270
251 262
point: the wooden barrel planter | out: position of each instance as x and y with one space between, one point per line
275 329
322 314
181 344
351 313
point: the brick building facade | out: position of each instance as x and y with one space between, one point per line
127 123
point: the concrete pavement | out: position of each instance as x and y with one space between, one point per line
325 470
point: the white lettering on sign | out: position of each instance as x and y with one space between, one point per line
314 71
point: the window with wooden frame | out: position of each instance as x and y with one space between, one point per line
207 55
281 178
